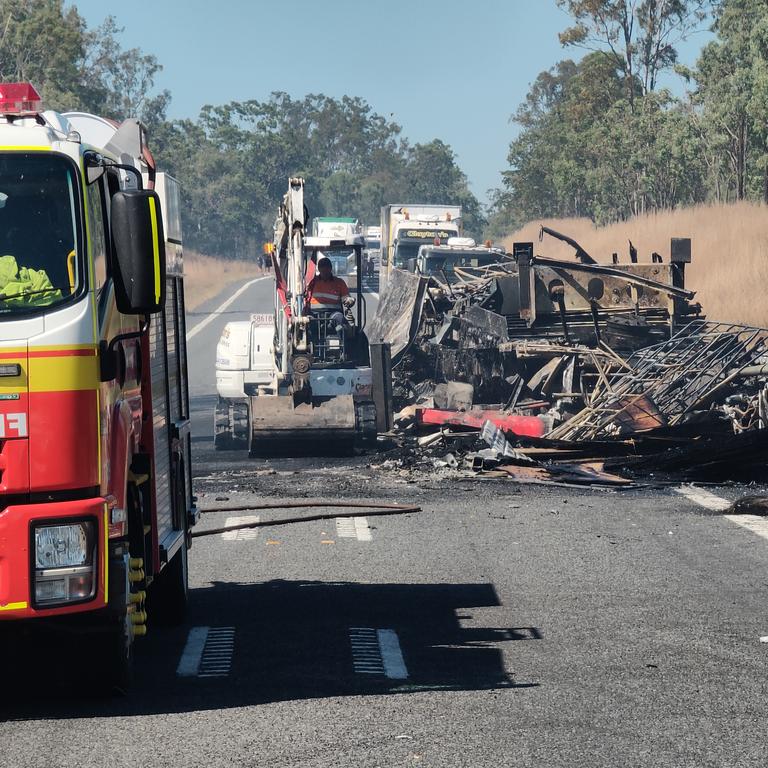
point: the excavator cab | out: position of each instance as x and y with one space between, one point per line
335 340
329 338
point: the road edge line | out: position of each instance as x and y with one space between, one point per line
192 332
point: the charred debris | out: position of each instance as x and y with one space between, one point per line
572 372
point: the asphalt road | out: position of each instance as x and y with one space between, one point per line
503 625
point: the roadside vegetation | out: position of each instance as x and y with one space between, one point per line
599 137
207 276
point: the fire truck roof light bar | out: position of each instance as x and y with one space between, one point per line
19 99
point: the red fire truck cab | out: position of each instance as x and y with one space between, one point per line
95 485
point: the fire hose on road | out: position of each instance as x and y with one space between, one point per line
378 510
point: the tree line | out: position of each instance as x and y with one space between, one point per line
233 160
600 138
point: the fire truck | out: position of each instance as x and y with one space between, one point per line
96 497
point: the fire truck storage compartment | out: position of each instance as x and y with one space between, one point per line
168 361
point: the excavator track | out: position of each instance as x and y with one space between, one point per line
230 425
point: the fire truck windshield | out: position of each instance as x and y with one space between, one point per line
39 218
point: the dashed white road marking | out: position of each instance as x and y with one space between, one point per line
208 652
377 652
217 654
224 304
353 528
754 523
244 534
392 655
189 662
704 498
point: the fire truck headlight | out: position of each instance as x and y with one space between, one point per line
58 546
65 559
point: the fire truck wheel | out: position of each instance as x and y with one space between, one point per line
113 653
168 595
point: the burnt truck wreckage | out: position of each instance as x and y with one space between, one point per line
602 366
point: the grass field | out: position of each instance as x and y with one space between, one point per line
205 276
729 269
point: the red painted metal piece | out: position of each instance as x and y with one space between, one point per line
528 426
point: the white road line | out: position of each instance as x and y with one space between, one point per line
189 663
208 652
353 528
754 523
362 530
704 498
244 534
212 316
391 655
366 656
216 660
377 652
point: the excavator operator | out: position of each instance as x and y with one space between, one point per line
328 294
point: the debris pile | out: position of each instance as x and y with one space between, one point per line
572 372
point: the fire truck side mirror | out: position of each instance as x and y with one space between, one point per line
137 233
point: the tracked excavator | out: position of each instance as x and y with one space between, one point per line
296 381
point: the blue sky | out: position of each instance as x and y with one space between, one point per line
447 69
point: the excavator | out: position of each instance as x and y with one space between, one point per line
295 381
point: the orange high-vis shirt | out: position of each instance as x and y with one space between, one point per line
327 294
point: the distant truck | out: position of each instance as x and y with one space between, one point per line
405 228
372 250
339 227
460 257
338 230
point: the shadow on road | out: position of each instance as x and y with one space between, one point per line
292 642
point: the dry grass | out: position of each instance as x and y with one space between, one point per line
206 276
729 269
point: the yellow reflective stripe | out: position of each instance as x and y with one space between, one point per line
57 374
14 606
24 148
155 247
